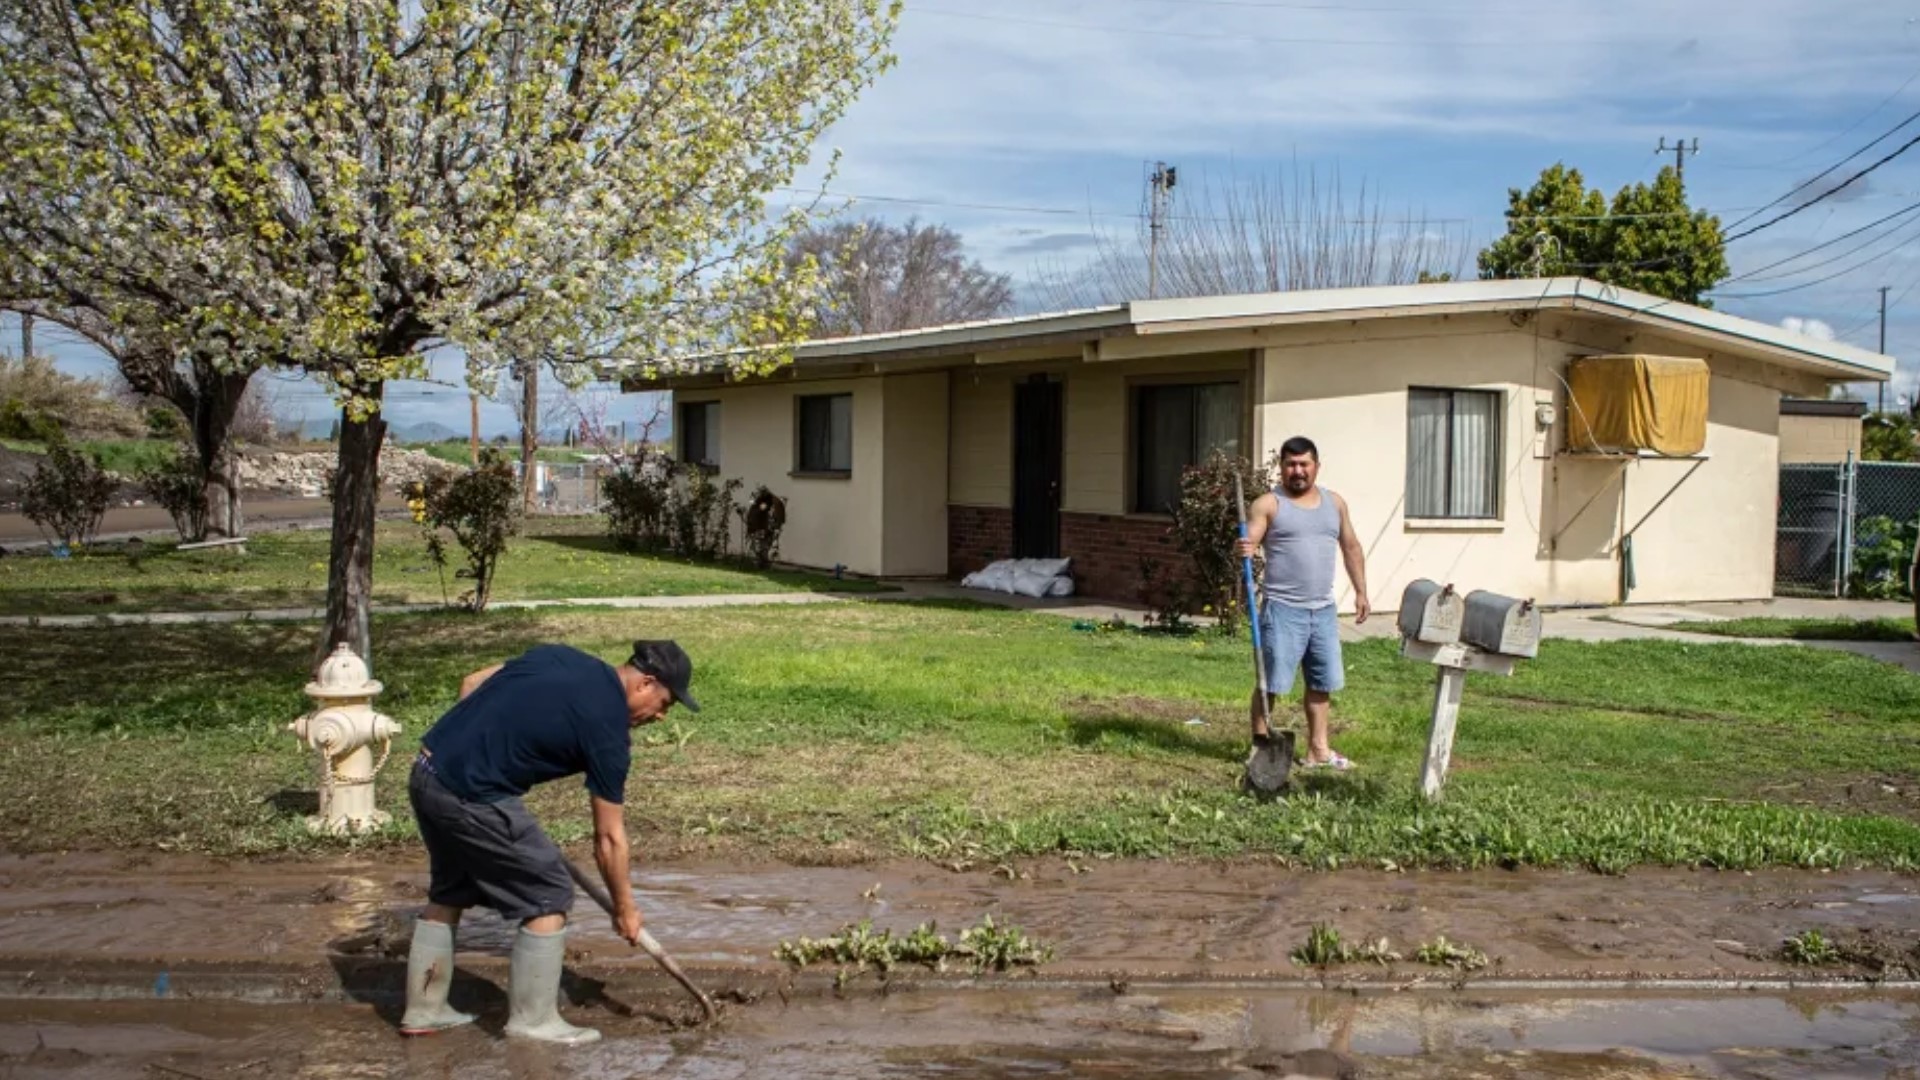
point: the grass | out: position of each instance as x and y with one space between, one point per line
1804 629
123 456
972 736
555 559
857 947
461 452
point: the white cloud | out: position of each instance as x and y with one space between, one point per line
1813 328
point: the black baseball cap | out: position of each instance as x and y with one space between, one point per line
667 662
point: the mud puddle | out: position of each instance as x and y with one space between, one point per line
1029 1032
1103 917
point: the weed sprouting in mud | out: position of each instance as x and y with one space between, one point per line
1810 947
858 947
1324 947
1443 953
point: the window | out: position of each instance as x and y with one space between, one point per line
1453 454
700 433
1177 426
826 434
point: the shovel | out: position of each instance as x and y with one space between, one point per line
599 893
1270 761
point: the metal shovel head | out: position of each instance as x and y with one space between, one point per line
1270 763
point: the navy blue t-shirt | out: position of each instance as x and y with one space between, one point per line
551 712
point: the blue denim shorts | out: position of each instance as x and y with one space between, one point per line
1295 638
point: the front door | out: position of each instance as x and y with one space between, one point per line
1036 468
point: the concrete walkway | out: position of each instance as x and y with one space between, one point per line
1633 623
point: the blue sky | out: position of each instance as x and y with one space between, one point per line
1027 125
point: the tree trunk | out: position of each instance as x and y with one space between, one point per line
529 431
356 497
212 403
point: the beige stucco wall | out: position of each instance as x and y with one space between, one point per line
1095 403
829 520
889 517
1818 440
914 463
1703 529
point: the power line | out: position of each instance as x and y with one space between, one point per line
1861 265
1752 274
1823 196
1816 178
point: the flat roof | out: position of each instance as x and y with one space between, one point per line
1140 318
1821 407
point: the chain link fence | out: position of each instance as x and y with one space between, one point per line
568 487
1846 529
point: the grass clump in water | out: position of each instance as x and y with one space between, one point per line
1810 947
858 947
1443 953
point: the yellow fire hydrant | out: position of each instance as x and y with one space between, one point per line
344 730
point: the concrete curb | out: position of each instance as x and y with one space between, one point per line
481 981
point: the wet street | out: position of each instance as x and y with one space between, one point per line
1019 1032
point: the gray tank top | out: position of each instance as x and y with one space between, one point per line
1300 546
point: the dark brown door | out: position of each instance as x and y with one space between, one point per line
1036 468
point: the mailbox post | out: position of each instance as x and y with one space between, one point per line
1481 632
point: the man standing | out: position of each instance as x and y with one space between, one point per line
1299 526
549 713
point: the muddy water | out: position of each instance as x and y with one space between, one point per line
1139 918
1091 1033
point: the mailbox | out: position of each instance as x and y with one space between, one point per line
1501 624
1430 613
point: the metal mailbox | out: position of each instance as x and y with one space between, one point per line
1501 624
1431 613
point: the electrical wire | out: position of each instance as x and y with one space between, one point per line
1828 171
1823 196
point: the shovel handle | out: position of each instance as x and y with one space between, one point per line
651 947
1253 603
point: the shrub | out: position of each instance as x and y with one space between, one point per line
178 485
760 525
699 513
67 495
635 500
19 420
83 408
1205 526
481 508
164 421
1882 556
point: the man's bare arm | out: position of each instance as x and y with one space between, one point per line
1355 557
611 853
472 682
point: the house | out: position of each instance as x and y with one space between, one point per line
1440 411
1820 432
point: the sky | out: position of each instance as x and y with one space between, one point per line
1030 126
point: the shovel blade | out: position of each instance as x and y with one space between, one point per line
1270 764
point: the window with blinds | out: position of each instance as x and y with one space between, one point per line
1453 453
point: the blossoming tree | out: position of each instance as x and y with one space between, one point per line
340 185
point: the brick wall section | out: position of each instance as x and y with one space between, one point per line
1106 550
976 536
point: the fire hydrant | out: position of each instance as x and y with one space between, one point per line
344 729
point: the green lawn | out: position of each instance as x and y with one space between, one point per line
123 456
460 453
971 735
1805 629
553 560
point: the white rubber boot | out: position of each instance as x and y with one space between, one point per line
429 977
533 990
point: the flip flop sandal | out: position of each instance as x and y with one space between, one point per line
1336 763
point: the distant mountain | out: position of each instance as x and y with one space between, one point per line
426 432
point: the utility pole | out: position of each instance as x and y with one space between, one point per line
26 337
473 429
529 428
1679 150
1883 344
1164 177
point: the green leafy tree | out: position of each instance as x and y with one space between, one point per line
1889 437
1647 239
